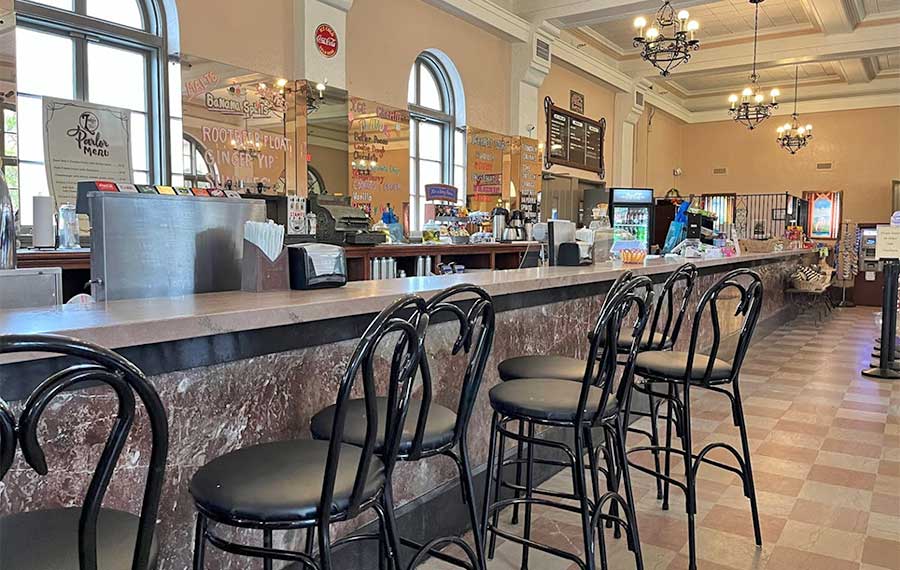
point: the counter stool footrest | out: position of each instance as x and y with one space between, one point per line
258 552
434 552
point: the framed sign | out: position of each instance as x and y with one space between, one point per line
576 102
574 140
824 214
326 40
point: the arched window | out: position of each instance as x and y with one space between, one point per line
198 172
437 137
110 52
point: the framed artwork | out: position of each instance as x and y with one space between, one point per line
576 102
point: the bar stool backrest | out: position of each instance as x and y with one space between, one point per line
749 288
634 298
676 293
476 338
94 365
406 354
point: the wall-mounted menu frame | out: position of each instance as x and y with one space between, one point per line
574 140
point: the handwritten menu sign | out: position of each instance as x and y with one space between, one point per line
526 174
574 140
379 156
887 246
486 151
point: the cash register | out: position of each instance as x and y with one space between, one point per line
340 223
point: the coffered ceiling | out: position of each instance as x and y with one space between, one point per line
845 49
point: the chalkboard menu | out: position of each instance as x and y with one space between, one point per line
574 140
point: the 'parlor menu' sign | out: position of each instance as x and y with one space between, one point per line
574 140
379 156
83 141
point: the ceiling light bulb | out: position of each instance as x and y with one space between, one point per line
373 164
787 127
262 85
281 83
808 127
320 87
801 131
640 22
759 98
732 98
683 15
747 92
780 130
775 92
652 34
693 26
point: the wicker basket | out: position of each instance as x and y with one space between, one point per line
813 285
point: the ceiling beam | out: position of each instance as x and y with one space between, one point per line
574 13
489 16
865 41
857 70
834 16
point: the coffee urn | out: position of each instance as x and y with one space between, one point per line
500 216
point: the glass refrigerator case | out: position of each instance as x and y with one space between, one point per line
631 210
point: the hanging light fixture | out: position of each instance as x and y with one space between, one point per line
750 108
793 136
669 40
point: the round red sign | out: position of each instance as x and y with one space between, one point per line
326 40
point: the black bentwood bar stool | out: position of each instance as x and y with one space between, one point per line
431 429
660 335
89 537
670 376
598 401
541 366
310 484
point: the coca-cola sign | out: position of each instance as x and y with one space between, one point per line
326 40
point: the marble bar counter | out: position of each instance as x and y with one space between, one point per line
235 369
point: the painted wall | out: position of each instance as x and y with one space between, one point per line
599 101
658 149
863 144
253 35
384 39
333 166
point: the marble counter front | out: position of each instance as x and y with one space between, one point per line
236 369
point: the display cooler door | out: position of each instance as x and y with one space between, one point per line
635 220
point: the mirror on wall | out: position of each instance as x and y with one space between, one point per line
235 134
9 151
327 139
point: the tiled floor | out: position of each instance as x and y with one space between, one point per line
825 447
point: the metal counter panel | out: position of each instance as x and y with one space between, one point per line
163 246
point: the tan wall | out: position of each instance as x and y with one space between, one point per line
599 102
254 35
863 144
658 149
384 39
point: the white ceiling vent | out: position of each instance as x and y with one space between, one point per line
824 166
720 171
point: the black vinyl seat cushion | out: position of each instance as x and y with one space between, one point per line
625 342
542 366
279 482
438 427
48 540
672 366
545 399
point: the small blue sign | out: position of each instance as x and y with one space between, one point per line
441 192
632 195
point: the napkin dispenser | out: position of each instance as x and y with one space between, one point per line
317 265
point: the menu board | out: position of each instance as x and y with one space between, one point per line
379 156
485 153
526 175
574 140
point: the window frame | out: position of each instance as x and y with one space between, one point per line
193 178
446 119
151 41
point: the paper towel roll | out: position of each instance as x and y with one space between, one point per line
43 234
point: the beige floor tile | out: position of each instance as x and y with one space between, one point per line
825 541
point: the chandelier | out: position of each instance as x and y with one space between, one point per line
668 42
792 136
750 108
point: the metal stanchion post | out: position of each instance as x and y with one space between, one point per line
886 364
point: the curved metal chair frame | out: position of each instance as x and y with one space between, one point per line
95 365
675 305
749 288
405 360
475 338
600 372
437 545
520 460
